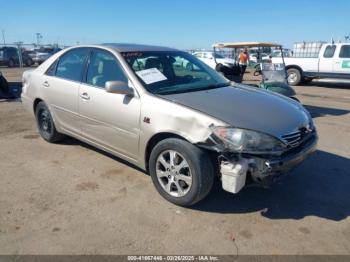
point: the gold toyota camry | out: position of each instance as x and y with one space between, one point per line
170 114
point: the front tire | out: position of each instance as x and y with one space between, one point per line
46 125
294 76
181 172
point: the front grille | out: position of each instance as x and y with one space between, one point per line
292 139
296 138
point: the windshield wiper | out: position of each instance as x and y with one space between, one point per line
168 91
216 86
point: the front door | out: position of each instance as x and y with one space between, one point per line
342 61
111 120
326 60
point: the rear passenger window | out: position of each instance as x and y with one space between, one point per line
70 65
104 67
329 52
52 69
345 51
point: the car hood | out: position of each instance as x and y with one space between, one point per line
247 107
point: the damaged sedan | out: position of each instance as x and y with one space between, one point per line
184 125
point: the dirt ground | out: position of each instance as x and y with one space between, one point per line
70 198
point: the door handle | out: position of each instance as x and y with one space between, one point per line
85 96
46 84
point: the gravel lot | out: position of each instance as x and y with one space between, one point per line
73 199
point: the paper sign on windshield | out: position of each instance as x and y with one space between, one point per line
150 76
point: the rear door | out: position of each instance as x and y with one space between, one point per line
110 120
342 60
326 59
61 88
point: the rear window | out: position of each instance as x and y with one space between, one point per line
345 51
329 52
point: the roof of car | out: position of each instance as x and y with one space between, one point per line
245 44
125 47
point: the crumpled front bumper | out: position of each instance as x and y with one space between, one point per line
262 169
266 170
290 160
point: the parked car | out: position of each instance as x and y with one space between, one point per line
177 124
27 59
9 57
209 58
333 61
40 55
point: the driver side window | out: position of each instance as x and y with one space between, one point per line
104 67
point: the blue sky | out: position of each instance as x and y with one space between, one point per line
180 23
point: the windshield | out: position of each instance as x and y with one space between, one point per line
169 72
216 55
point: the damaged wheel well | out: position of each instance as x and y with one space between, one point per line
155 140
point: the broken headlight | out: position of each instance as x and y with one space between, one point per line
248 141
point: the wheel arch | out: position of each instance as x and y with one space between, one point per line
36 102
295 67
154 140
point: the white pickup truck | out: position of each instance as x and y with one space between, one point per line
333 61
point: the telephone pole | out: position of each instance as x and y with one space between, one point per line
3 36
38 38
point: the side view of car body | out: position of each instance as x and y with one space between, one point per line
208 58
332 61
9 57
40 55
182 126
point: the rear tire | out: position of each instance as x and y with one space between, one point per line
218 67
294 76
46 125
29 62
187 178
11 63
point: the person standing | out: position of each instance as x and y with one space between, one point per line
243 60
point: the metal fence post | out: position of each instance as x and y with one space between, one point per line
19 51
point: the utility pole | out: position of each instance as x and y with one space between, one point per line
3 36
38 38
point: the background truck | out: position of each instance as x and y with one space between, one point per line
317 60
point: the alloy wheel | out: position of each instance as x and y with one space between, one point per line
173 173
45 123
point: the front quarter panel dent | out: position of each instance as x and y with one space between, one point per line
168 117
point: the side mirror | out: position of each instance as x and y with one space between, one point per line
119 87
